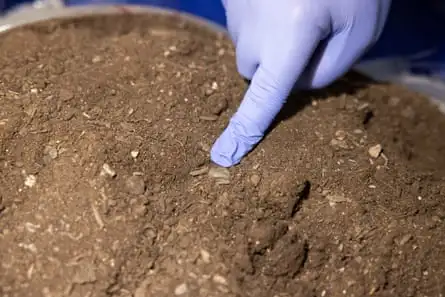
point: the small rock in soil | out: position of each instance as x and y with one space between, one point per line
209 118
336 143
181 289
134 154
219 107
204 147
219 279
220 174
68 113
135 185
96 59
205 256
334 199
340 135
199 171
375 151
255 180
30 181
107 170
405 239
51 152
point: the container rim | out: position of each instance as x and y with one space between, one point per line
35 15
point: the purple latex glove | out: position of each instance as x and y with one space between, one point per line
285 43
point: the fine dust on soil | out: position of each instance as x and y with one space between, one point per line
105 130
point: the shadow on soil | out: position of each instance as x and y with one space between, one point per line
298 100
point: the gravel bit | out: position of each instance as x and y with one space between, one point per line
339 143
181 289
340 135
334 199
208 118
205 256
107 170
219 107
204 147
220 174
375 151
219 279
255 180
134 154
30 181
96 59
199 171
135 185
51 152
405 239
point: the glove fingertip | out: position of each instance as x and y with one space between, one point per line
235 142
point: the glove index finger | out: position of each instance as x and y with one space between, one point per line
271 84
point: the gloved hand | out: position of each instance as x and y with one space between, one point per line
285 43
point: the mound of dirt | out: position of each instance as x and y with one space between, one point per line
106 187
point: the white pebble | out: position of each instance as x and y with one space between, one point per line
30 247
375 151
181 289
205 255
340 135
107 170
96 59
30 181
219 279
134 154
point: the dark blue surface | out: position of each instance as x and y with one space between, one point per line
5 5
209 9
413 26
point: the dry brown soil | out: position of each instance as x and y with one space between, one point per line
105 130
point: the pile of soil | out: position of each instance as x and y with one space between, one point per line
106 187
